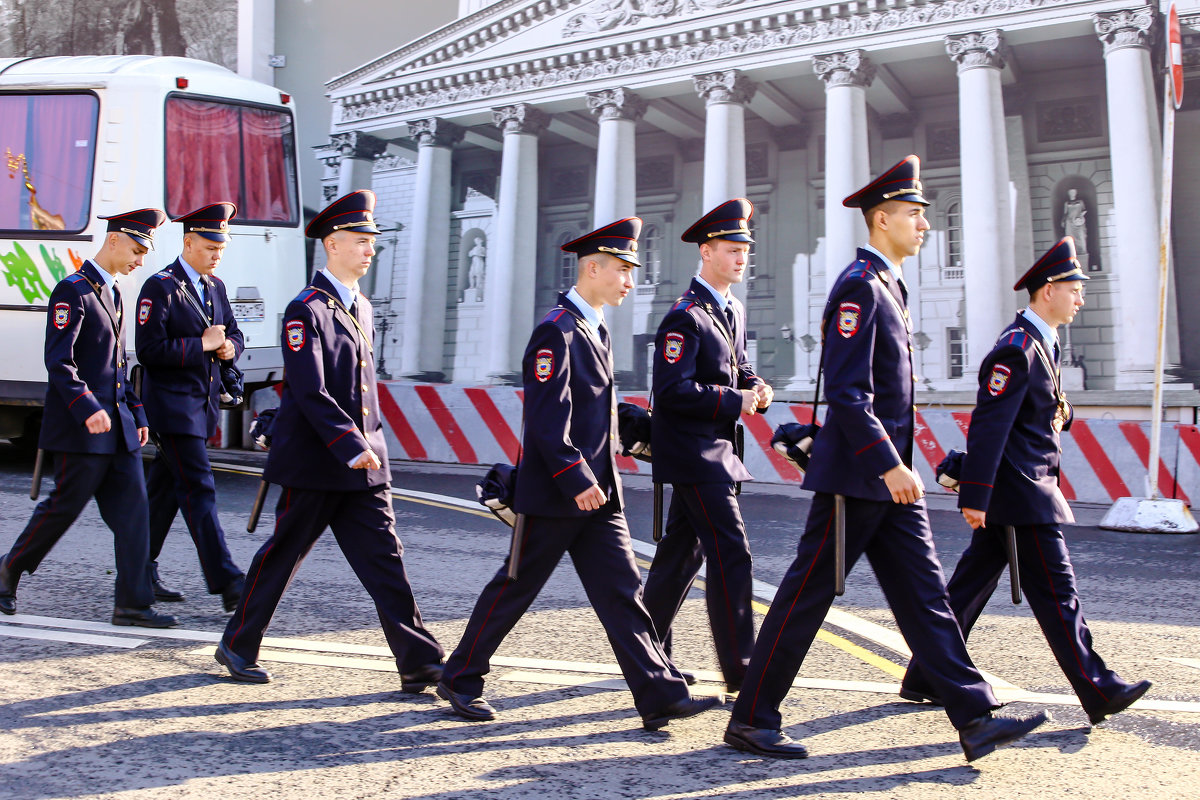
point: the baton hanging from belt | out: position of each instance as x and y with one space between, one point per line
839 545
258 504
514 550
36 488
658 512
1014 574
739 449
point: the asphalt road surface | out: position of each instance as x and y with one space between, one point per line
88 710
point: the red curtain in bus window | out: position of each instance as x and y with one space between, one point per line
204 160
62 129
14 111
265 138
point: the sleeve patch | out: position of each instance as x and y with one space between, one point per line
144 310
295 335
62 315
998 380
847 319
673 347
543 365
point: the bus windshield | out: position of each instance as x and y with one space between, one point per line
228 152
49 144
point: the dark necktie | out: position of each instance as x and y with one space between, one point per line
1057 356
603 332
729 316
117 301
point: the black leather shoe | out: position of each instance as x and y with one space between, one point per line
678 710
688 677
239 668
1121 701
915 696
416 681
476 709
232 593
984 734
763 741
8 588
143 618
161 592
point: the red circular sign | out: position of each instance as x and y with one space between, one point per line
1175 54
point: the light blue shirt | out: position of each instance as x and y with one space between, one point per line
591 316
886 261
194 277
722 299
109 280
1049 335
346 293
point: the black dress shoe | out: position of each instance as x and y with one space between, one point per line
8 588
984 734
414 682
475 709
678 710
688 677
161 592
239 668
917 696
143 618
232 593
763 741
1119 702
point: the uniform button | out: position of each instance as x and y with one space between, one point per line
210 378
612 438
362 363
366 389
366 411
118 386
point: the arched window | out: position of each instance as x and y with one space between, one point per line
566 261
650 253
954 244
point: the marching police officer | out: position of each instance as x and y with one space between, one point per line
864 455
94 425
185 329
703 382
1010 477
568 489
329 455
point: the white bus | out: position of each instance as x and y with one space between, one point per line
83 136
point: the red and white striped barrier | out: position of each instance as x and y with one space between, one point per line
1103 459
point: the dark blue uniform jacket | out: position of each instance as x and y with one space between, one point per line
569 442
868 427
1013 451
85 366
699 368
329 412
182 381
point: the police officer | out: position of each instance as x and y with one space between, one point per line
94 425
1010 476
702 384
570 493
330 457
864 453
185 329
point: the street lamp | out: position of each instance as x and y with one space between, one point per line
806 343
922 340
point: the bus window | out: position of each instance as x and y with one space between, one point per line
220 151
49 146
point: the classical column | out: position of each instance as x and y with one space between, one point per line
618 111
358 151
1135 145
511 276
428 255
987 230
847 164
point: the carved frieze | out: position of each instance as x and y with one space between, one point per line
849 68
977 49
1128 28
607 15
655 173
941 142
730 86
758 161
616 104
1072 118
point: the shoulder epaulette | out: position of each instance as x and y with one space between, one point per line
1015 336
75 277
307 294
683 304
861 269
163 275
555 314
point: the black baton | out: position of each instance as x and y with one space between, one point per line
1014 574
258 504
658 511
36 488
514 550
739 449
839 545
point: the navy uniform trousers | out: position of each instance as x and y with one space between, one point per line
705 518
899 544
1048 583
364 525
601 551
115 480
180 479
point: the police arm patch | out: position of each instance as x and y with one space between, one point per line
62 315
847 319
998 380
144 310
295 335
673 347
543 365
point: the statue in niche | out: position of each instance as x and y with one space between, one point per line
475 273
1074 222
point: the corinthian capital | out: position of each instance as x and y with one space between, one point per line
616 104
435 132
848 68
1130 28
730 86
356 144
977 49
520 118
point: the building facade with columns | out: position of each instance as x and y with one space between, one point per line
525 123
